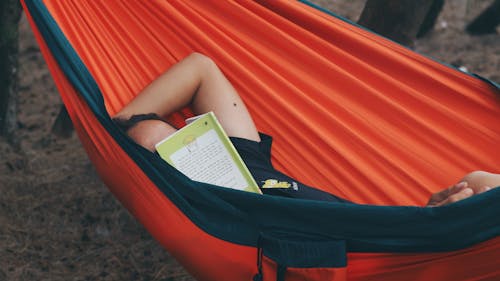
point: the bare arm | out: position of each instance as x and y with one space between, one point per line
195 81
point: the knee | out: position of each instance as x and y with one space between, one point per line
201 60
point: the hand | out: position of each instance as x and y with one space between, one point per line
454 193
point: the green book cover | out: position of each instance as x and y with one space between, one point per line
202 151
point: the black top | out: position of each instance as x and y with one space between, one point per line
257 157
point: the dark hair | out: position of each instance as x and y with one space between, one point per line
126 124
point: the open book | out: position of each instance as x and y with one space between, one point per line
202 151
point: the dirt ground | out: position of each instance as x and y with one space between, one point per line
57 219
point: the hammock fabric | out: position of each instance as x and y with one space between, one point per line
351 113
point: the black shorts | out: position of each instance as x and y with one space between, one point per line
257 157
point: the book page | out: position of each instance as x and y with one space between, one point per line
205 159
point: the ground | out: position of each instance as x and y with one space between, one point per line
58 221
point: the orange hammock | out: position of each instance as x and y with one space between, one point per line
351 113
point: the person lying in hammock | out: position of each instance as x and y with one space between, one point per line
198 82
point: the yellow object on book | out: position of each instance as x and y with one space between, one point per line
202 151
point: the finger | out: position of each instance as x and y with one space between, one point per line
458 187
461 195
444 194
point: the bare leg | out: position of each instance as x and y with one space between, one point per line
196 81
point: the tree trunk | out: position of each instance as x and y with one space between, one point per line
62 126
487 21
399 20
430 18
10 12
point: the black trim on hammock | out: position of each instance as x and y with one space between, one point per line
245 216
